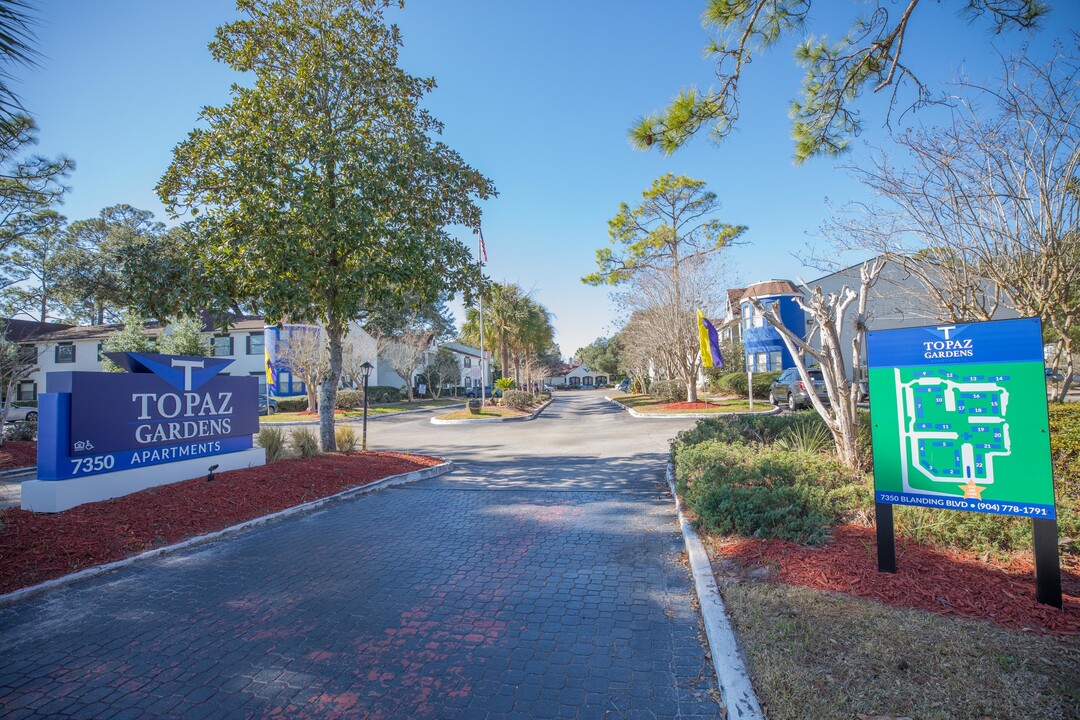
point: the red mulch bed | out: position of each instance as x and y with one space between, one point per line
684 406
35 547
18 454
940 581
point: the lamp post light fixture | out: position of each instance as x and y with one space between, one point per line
365 372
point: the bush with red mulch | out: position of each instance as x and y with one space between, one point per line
35 547
941 581
16 454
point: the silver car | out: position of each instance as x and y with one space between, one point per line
22 411
790 389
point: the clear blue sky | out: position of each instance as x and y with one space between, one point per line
538 96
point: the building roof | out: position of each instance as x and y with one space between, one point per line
55 332
734 295
462 349
771 287
16 330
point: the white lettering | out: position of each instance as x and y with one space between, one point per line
145 397
188 365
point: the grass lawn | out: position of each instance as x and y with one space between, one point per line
648 404
488 412
385 409
822 655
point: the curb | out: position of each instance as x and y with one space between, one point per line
344 421
389 481
466 421
692 416
18 472
736 690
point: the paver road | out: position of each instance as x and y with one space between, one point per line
540 579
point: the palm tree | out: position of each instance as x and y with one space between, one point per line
504 311
16 48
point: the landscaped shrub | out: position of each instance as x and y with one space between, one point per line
745 452
349 399
384 394
346 439
763 491
809 436
290 405
735 384
305 441
517 399
22 430
668 390
272 439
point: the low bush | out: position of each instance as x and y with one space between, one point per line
384 394
305 441
346 439
272 439
22 430
349 399
762 491
735 384
517 399
290 405
668 390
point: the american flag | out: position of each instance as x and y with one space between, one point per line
483 250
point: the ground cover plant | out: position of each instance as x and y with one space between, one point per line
35 547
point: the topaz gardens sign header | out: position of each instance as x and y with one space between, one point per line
103 435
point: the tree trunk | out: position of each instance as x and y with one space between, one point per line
328 386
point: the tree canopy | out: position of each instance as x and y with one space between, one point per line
321 188
824 118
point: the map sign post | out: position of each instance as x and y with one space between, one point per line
959 422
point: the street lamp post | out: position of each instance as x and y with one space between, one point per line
365 372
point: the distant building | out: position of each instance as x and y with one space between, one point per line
764 347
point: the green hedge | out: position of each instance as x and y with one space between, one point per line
737 476
292 404
668 390
735 384
384 394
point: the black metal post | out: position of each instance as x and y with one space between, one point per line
886 538
364 442
1047 562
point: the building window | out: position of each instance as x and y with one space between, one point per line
467 362
65 353
468 381
221 346
255 344
261 377
27 391
28 354
762 362
775 360
746 315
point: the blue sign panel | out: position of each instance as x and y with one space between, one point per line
1000 341
167 408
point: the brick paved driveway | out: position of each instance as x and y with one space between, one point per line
525 584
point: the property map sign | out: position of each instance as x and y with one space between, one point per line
959 418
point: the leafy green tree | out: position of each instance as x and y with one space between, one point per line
321 188
16 48
131 338
602 354
666 248
92 279
837 73
31 266
29 184
184 337
504 312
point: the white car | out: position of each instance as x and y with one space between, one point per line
22 411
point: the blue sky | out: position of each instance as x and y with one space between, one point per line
538 96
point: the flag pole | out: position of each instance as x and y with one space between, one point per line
483 353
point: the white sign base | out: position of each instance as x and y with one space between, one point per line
52 496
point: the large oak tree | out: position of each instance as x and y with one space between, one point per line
321 189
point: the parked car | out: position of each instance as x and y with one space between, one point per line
625 386
1054 377
265 409
864 391
789 388
22 411
548 388
474 392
